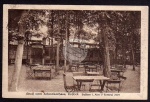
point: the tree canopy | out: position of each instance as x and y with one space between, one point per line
121 28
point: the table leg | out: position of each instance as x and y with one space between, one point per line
79 85
50 74
42 73
102 84
77 69
34 73
119 75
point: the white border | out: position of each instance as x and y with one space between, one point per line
144 51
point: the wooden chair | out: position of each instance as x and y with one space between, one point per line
29 72
95 86
121 67
86 69
114 79
90 69
48 74
99 67
69 88
78 74
74 67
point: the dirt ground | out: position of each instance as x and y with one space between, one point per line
56 84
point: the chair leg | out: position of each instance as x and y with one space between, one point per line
90 87
76 89
119 88
83 86
107 87
29 75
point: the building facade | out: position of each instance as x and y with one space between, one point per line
41 52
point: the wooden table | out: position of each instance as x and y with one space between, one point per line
80 79
78 73
50 64
90 69
34 65
116 70
92 73
41 70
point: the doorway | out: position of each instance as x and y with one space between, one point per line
37 55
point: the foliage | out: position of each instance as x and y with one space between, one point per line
122 28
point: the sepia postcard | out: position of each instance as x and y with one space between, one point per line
75 52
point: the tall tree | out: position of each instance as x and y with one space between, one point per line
19 53
23 21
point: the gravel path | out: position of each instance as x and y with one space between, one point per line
56 84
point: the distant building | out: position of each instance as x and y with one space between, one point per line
40 51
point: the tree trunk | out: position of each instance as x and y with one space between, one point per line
133 59
17 66
57 56
27 47
132 51
49 51
66 42
52 52
124 58
9 48
58 44
106 69
19 53
106 57
116 60
51 55
65 60
101 61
